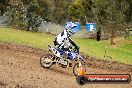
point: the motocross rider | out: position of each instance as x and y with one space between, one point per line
64 42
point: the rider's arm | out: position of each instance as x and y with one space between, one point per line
72 42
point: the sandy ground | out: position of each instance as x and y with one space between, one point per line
20 68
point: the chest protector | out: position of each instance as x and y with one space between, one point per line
62 39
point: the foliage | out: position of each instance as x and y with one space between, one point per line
33 18
28 14
23 16
16 15
59 12
3 6
110 14
80 10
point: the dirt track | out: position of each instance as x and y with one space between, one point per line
20 68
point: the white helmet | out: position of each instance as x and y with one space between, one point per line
70 26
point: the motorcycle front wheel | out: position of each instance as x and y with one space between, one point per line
46 60
75 67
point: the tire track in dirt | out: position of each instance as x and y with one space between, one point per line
20 68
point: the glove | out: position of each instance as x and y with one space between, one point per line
76 49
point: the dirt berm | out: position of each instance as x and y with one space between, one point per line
20 68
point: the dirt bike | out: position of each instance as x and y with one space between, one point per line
61 58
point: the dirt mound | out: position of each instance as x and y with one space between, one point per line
20 68
22 48
104 64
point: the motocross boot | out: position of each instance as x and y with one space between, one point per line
70 64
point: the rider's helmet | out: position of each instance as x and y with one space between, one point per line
70 26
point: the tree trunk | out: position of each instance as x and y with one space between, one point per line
98 35
112 37
86 19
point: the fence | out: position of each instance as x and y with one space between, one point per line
44 26
50 27
3 21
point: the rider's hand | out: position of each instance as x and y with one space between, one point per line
76 50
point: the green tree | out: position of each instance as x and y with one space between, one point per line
126 6
80 10
46 8
24 16
16 15
3 6
110 16
59 12
33 16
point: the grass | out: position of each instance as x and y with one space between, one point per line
122 52
33 39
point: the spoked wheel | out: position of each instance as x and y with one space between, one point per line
76 67
46 61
